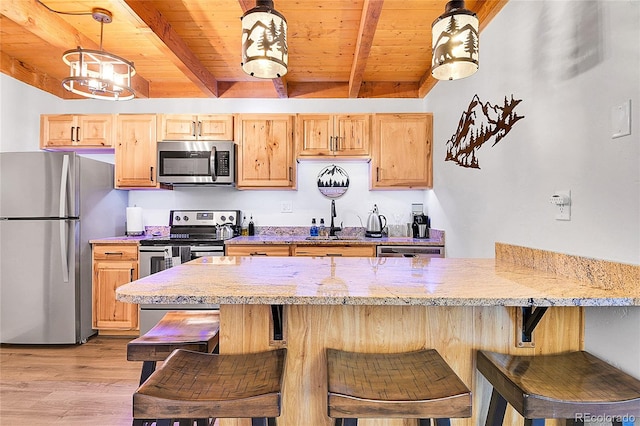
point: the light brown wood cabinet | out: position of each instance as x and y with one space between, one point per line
113 265
135 151
69 131
343 135
189 127
265 151
335 250
401 155
258 250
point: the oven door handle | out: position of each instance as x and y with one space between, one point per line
213 165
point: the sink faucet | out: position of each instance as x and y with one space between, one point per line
333 229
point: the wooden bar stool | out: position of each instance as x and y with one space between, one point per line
561 386
411 385
191 330
199 385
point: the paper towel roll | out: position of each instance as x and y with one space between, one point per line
134 221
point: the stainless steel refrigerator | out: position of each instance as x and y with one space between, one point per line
51 205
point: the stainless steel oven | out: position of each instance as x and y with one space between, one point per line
193 234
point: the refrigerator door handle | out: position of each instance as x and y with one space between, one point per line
64 177
63 250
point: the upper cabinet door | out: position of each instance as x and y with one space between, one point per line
402 151
136 156
190 127
68 131
352 134
265 151
343 135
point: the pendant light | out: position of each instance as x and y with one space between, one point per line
98 74
455 43
264 41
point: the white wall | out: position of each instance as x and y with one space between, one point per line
570 63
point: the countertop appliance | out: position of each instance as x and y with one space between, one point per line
197 163
192 234
374 224
409 251
51 205
420 226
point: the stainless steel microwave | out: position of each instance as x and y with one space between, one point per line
197 163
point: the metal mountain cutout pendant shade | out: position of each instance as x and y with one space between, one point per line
265 53
455 43
98 74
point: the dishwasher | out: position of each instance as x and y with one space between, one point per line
410 251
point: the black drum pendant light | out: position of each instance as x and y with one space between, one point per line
264 41
98 74
455 43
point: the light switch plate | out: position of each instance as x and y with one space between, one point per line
621 119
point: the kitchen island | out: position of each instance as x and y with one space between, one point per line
389 305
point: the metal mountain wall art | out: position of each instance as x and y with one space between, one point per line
479 124
333 181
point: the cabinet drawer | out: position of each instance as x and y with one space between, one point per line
336 250
258 250
115 252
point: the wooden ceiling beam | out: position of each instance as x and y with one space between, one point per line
487 11
280 84
54 30
368 23
174 47
31 76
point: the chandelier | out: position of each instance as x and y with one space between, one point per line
264 41
98 74
455 43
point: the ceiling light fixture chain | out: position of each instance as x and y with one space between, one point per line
455 43
97 74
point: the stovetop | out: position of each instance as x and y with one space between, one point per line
189 227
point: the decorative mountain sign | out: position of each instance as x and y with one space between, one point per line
333 181
480 123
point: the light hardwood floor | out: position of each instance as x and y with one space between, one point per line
90 384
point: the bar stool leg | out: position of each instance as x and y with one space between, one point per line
263 421
148 367
497 409
347 422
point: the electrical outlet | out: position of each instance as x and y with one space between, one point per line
562 200
286 207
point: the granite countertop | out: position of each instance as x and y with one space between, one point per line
369 281
292 235
350 236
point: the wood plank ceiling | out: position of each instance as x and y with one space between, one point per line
191 48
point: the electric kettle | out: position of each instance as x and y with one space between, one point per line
375 224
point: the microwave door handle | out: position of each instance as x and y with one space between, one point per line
212 164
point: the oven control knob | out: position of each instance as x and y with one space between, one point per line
223 218
177 218
230 218
186 218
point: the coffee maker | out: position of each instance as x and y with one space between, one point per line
421 225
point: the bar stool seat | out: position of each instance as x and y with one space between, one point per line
418 385
559 386
200 385
191 330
